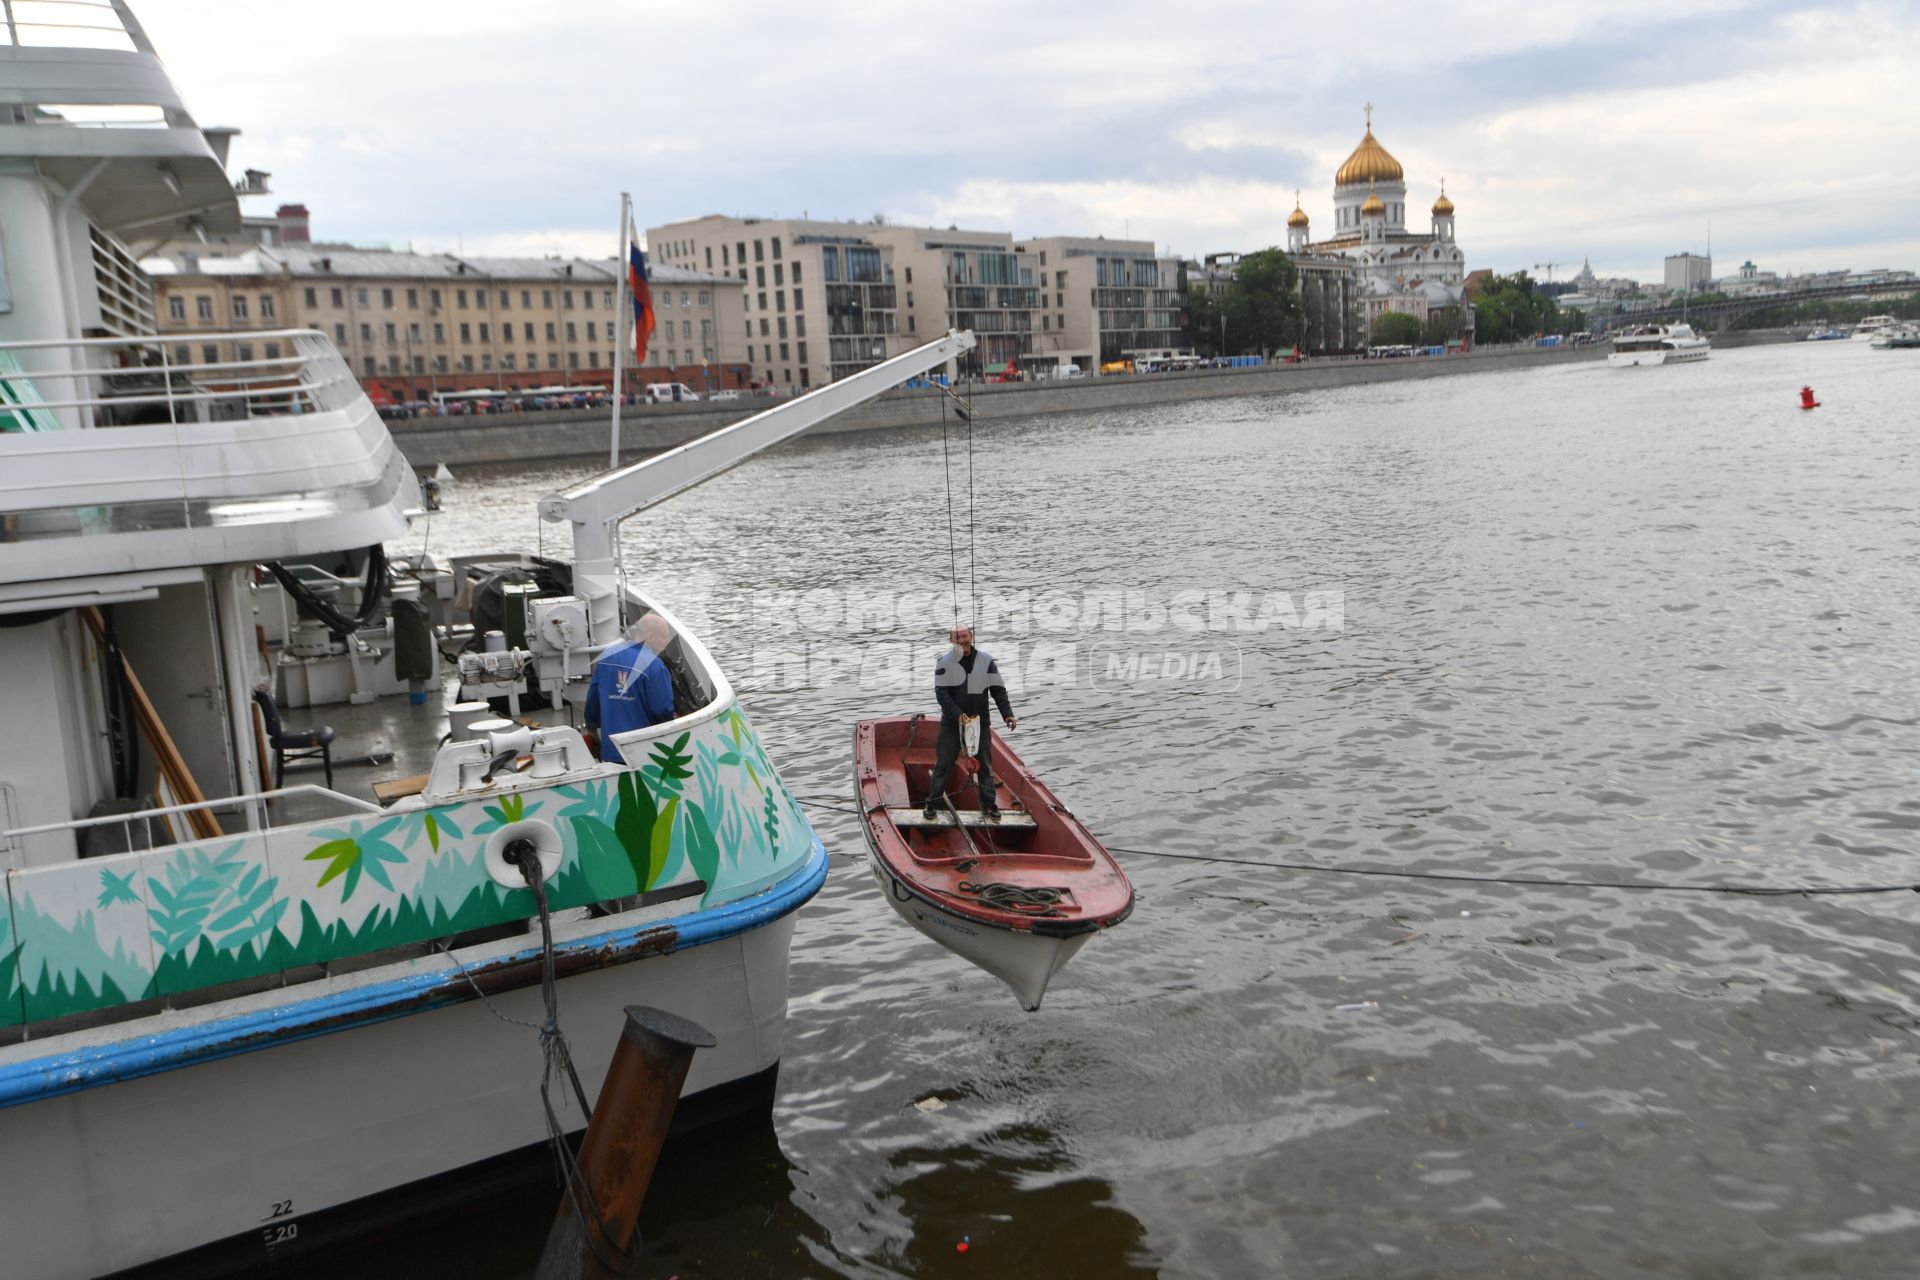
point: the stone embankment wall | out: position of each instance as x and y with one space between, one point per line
646 429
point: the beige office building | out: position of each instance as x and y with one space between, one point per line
1102 300
978 280
821 300
413 324
874 290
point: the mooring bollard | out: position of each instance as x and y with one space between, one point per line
623 1142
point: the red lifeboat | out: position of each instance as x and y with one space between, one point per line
1017 897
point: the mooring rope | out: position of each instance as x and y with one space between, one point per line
1647 886
557 1057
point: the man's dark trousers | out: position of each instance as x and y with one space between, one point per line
948 751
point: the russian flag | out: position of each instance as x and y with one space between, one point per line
642 295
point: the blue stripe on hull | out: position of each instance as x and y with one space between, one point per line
144 1055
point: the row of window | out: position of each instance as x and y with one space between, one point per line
243 352
391 332
779 275
684 249
779 300
210 353
1396 213
237 307
1117 321
768 350
799 327
362 297
863 265
1120 272
508 364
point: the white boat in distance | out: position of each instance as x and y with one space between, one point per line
1658 344
1872 327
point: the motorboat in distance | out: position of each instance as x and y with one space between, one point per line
1658 344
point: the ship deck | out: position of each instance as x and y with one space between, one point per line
386 741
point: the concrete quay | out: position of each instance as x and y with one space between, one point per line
647 429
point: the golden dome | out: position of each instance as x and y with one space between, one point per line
1443 207
1369 163
1298 218
1372 204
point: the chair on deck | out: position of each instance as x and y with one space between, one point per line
293 744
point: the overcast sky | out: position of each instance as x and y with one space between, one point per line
1618 130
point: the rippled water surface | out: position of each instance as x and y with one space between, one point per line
1647 624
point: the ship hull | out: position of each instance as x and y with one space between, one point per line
1682 355
268 1138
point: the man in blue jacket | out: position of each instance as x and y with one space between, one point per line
962 682
631 687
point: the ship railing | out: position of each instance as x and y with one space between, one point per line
77 24
105 382
256 805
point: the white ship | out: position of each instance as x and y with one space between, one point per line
1873 326
235 1006
1658 344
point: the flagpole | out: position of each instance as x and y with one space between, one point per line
620 311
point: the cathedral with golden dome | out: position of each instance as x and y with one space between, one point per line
1418 272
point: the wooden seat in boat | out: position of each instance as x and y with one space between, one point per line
1009 820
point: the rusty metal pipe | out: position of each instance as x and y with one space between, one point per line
622 1144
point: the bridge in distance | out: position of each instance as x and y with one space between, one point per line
1727 308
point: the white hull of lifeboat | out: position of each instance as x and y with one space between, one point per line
1025 961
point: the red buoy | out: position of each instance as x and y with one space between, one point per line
1806 399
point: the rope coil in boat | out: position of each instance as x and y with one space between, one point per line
1031 900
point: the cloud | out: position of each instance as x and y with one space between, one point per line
1618 130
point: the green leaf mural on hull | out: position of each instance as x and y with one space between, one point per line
12 1009
705 805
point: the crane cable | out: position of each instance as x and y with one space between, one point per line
953 555
946 462
973 590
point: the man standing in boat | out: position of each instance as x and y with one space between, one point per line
962 682
632 687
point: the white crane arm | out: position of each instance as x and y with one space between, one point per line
597 506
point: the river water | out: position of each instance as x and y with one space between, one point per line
1651 624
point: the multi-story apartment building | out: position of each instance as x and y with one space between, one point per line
411 324
1102 300
819 299
978 280
875 289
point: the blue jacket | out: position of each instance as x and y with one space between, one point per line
631 689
